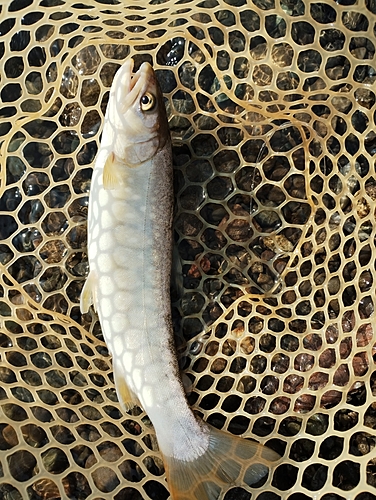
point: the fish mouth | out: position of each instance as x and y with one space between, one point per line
144 73
132 84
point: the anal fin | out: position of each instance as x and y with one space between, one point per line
127 398
111 174
88 294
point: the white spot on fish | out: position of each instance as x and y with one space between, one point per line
106 308
128 361
103 198
95 232
104 262
119 323
118 344
106 219
106 286
95 214
105 243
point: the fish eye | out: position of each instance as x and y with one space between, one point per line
147 102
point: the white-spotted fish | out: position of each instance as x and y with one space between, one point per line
129 247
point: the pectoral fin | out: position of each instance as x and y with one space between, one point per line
127 398
88 295
111 173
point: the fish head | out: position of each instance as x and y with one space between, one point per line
137 114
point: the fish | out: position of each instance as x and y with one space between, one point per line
129 252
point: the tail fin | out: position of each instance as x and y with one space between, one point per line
229 460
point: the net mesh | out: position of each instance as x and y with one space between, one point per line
271 107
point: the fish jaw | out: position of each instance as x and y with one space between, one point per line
130 133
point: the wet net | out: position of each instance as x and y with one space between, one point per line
271 106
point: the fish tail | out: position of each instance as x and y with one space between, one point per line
228 461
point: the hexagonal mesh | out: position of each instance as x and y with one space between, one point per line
272 110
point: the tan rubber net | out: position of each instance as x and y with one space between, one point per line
272 114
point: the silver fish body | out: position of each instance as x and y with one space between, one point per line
129 248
